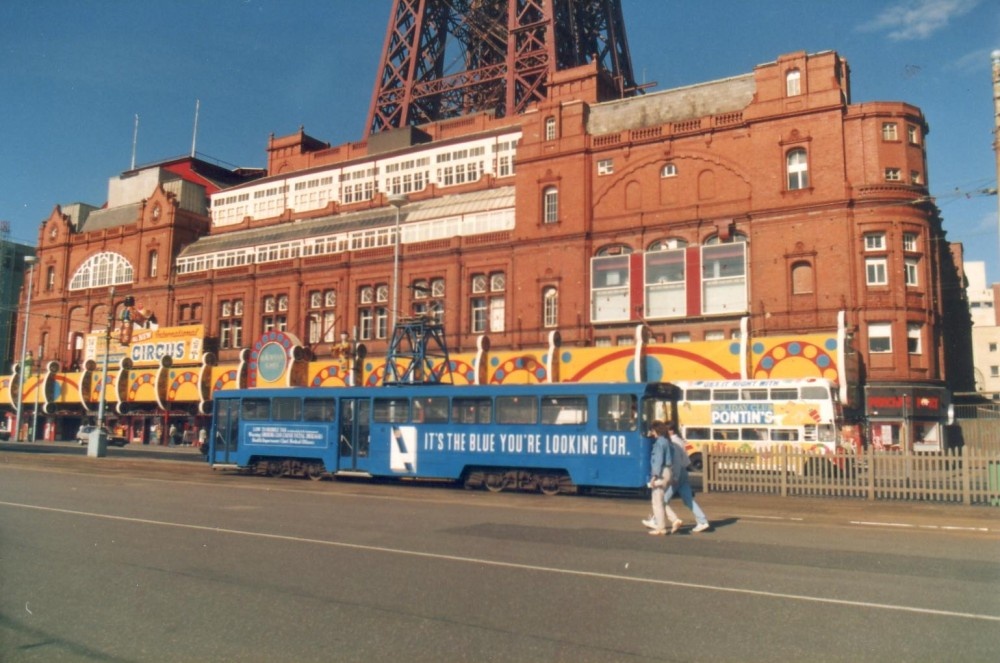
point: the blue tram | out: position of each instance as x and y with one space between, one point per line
546 437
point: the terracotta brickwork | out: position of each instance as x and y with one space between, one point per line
826 201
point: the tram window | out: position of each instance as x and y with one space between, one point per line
564 410
616 412
286 409
319 409
256 409
755 394
692 433
392 410
815 392
727 395
753 434
725 434
698 395
430 409
784 435
784 394
517 410
471 410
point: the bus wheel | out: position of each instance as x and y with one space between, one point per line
696 462
315 471
496 481
549 484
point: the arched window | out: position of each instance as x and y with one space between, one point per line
724 275
609 284
667 244
550 128
101 271
802 278
153 266
797 166
793 83
550 205
550 307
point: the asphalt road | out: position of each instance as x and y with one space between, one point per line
136 558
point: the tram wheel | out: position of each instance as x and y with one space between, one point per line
496 481
275 468
549 484
315 471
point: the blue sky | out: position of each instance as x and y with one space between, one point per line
75 73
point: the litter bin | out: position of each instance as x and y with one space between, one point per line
97 445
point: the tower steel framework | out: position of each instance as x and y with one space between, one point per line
447 58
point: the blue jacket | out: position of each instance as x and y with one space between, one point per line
662 456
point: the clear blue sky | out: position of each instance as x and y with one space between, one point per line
75 73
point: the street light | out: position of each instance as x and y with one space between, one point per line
28 260
97 445
397 201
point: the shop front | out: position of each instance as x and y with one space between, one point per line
907 417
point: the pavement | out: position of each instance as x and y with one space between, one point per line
918 515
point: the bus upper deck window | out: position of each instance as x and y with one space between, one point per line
697 395
727 395
784 394
815 392
755 394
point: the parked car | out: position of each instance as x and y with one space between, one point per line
83 436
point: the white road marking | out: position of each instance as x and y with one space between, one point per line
949 528
523 567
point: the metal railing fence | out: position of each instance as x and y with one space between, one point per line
961 476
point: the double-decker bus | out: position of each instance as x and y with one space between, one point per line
547 437
760 415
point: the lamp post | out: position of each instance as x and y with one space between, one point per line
397 201
97 446
28 260
34 413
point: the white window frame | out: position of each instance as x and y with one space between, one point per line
550 128
793 83
550 307
550 205
876 271
875 241
911 268
880 337
669 170
797 169
890 131
609 298
605 167
914 338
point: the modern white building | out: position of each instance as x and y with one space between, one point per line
985 329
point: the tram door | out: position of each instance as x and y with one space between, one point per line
354 433
225 437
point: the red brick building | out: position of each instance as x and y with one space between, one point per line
763 204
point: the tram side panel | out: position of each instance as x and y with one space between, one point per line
604 459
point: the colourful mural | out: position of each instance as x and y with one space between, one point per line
277 360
